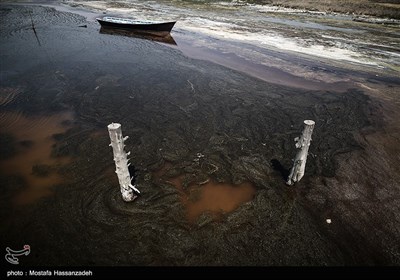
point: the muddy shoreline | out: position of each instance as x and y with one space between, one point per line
174 108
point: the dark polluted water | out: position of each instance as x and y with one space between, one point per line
202 139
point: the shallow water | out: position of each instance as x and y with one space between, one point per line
208 196
218 198
207 121
35 139
218 25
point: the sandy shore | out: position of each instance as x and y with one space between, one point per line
175 109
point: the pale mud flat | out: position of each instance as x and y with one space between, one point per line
200 134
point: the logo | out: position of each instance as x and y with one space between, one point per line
11 254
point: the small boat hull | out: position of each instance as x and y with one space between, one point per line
161 29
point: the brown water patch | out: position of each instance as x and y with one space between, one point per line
33 161
207 196
212 197
218 198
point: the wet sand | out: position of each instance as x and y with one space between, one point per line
175 108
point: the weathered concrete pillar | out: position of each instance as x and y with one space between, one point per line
129 191
302 143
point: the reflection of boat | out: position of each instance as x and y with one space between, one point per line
157 28
167 39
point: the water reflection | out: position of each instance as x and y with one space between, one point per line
166 39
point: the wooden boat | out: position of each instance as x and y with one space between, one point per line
157 28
